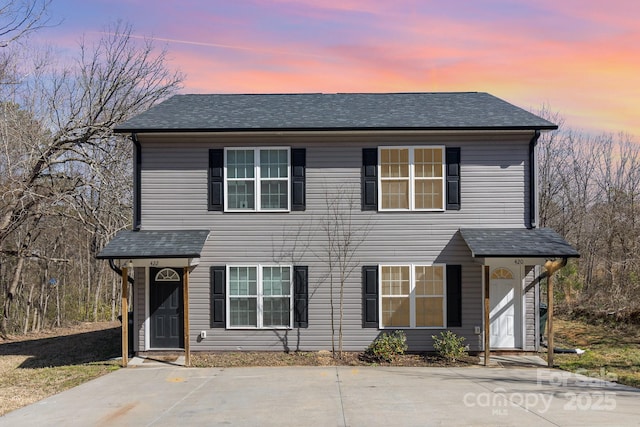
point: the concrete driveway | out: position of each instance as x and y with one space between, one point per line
336 396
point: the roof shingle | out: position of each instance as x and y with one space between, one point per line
155 244
517 243
343 111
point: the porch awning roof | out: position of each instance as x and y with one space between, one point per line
128 244
517 243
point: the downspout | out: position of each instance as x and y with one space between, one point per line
115 268
533 188
137 182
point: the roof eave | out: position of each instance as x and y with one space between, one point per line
148 256
335 129
475 255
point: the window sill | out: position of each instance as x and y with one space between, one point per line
252 328
412 328
412 210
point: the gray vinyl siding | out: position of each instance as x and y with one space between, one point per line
139 309
530 307
174 196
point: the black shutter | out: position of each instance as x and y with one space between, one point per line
453 178
370 296
300 297
369 179
218 300
298 179
454 295
216 180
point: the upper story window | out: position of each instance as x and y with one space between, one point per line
411 178
257 179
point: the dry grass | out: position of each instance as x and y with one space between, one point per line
35 366
612 350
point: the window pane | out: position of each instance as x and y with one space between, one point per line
429 194
430 311
240 195
276 281
273 164
428 162
395 280
394 163
243 281
243 312
395 194
274 195
276 311
240 164
429 280
395 311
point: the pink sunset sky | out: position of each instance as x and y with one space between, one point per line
581 58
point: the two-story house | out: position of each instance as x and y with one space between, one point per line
254 213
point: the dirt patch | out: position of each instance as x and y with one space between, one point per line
315 358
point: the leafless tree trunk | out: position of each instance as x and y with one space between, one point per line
28 309
344 235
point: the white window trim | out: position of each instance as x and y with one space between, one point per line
257 179
260 296
412 178
412 295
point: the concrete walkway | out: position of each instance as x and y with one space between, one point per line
336 396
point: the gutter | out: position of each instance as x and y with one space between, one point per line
533 188
137 182
321 129
119 271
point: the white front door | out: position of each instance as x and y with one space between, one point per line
505 311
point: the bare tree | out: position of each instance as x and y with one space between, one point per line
20 17
589 190
344 234
57 133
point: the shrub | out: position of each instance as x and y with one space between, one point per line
449 346
387 346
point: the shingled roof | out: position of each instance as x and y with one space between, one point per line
128 244
342 111
517 243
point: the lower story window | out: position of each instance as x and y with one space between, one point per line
412 296
259 296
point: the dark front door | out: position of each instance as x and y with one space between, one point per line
166 308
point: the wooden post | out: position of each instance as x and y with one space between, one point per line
185 313
487 318
550 319
125 318
551 267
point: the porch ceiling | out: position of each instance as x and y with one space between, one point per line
128 244
517 243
